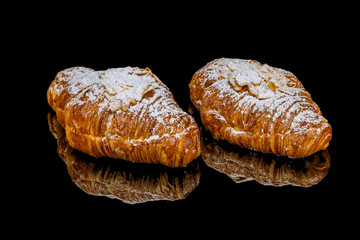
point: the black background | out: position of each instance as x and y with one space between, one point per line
174 46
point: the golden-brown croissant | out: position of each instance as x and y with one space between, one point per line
259 107
125 113
129 182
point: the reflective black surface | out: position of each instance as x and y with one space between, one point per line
138 183
242 164
44 187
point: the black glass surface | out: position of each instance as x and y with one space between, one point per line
226 185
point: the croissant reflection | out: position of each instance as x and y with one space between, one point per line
132 183
242 165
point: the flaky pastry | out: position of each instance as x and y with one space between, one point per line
123 180
125 113
259 107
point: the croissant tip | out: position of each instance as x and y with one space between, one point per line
314 142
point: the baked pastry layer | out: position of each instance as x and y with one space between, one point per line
123 180
259 107
125 113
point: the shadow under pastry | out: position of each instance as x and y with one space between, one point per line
129 182
242 164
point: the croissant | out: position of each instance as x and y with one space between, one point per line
124 113
123 180
259 107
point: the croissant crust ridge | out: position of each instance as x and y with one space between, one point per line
125 113
260 107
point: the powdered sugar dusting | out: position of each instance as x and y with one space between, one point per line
121 87
273 92
263 81
120 90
